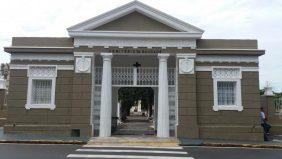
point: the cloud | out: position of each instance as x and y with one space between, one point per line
243 19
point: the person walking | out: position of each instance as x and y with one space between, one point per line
264 124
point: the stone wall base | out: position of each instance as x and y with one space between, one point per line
2 121
3 117
64 130
3 113
250 133
276 129
184 131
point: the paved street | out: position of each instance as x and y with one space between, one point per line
29 151
233 153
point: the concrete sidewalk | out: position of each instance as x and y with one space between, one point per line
275 143
40 139
135 141
51 139
250 144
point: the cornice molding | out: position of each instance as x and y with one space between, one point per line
228 51
25 67
41 57
227 58
210 68
135 34
37 49
134 42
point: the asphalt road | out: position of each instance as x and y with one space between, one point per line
30 151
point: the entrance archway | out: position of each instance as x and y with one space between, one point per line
135 111
161 79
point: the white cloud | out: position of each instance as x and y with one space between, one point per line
245 19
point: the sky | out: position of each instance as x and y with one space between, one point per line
221 19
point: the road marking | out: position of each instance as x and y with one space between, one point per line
143 147
124 156
137 151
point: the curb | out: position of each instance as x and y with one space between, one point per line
59 142
241 145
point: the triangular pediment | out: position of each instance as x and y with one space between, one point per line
136 21
135 16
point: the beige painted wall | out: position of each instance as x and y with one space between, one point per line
243 125
135 22
73 94
227 43
39 120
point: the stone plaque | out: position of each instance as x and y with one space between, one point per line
83 65
186 66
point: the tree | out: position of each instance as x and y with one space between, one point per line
5 67
261 92
129 96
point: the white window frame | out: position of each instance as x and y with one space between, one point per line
238 99
32 77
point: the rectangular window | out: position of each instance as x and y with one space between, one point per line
227 88
41 91
226 93
41 87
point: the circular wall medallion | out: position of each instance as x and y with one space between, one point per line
186 65
83 64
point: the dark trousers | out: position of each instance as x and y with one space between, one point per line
266 128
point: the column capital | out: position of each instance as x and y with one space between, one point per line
107 55
163 56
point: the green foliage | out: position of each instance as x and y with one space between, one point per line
129 96
278 95
261 92
5 70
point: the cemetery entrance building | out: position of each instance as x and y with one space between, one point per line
202 88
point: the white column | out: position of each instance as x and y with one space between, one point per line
118 112
163 109
134 76
155 108
92 93
106 97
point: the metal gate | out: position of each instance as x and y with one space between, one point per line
133 77
278 105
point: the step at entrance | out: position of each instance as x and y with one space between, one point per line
134 132
135 141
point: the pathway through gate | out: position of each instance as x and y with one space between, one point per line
130 77
136 124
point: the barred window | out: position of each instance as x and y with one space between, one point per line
226 93
41 87
227 88
41 91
